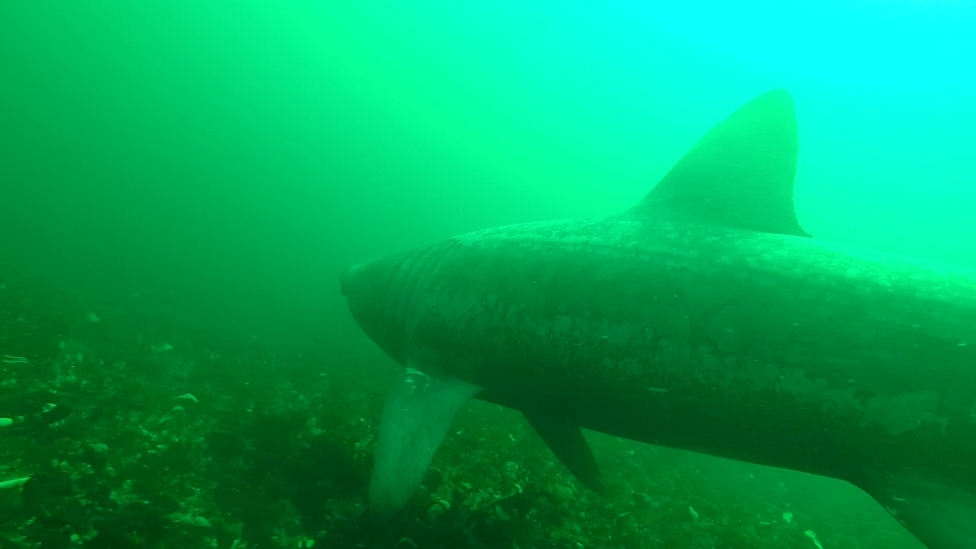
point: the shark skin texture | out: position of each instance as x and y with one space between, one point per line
703 318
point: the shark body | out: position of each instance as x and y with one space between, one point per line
703 318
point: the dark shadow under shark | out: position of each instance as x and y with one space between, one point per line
703 318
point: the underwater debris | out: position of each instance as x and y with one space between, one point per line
176 411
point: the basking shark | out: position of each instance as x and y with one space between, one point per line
702 318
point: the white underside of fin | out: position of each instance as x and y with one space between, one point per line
418 413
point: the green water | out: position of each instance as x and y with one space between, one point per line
236 156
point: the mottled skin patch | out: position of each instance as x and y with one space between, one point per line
767 348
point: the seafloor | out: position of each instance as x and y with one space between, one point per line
143 424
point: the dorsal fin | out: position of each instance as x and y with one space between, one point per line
740 174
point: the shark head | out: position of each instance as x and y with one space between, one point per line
367 290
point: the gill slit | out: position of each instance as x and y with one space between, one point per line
443 250
408 289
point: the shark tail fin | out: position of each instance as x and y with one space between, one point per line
740 174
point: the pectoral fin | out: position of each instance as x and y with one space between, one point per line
418 413
940 513
567 442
